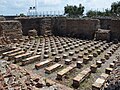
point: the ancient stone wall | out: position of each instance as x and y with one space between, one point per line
82 28
29 24
102 34
105 23
2 19
59 26
11 29
115 29
62 26
10 17
46 26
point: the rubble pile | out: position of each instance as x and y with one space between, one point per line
113 82
14 77
17 78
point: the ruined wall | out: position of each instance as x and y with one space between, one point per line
105 23
2 19
46 27
10 17
29 24
59 26
11 29
115 29
102 34
62 26
82 28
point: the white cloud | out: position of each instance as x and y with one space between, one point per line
18 6
52 2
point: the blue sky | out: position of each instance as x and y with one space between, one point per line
13 7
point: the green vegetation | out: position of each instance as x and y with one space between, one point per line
22 15
114 11
115 8
74 11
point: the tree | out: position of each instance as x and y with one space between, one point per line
118 11
80 9
107 12
115 8
74 11
22 15
91 13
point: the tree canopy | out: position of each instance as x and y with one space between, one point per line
74 11
22 15
91 13
114 11
115 8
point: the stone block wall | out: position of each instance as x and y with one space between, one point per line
105 23
11 29
59 26
46 27
102 34
82 28
62 26
2 19
115 29
29 23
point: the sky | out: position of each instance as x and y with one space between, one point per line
15 7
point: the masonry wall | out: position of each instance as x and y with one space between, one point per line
82 28
105 23
29 24
115 29
102 34
59 26
11 29
2 19
62 26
